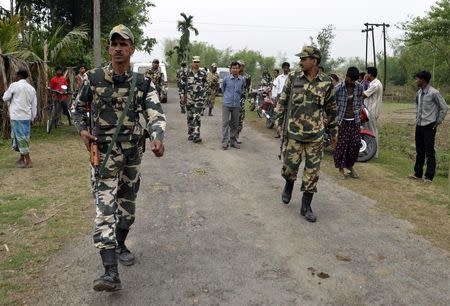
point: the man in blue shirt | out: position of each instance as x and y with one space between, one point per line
232 89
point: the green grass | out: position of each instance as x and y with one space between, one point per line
40 208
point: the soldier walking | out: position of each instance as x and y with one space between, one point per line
193 87
116 95
306 94
180 73
156 76
247 88
213 88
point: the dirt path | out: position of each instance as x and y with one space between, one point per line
211 230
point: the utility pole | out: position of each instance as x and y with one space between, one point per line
384 25
367 41
97 48
11 7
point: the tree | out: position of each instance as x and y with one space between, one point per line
433 29
62 48
185 27
323 41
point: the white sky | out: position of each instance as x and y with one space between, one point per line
279 27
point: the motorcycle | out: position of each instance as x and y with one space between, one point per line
257 97
267 110
368 147
52 116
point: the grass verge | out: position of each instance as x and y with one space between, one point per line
40 208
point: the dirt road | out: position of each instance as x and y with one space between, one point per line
211 230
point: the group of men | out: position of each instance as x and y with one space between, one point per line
198 90
111 100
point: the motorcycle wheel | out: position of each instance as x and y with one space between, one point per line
269 123
368 148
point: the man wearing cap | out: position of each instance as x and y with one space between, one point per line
105 91
193 89
213 87
248 85
306 94
180 73
156 76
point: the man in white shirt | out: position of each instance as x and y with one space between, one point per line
373 100
278 85
22 106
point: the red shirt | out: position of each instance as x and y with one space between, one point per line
55 83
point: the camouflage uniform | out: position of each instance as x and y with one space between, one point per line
266 79
301 107
115 193
179 75
194 85
157 78
213 88
247 88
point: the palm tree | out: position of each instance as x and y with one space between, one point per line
9 34
184 26
35 43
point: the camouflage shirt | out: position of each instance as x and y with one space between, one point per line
248 82
194 85
105 94
266 79
180 72
157 78
213 82
304 102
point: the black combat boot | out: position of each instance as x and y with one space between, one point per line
287 192
210 112
126 258
306 209
109 281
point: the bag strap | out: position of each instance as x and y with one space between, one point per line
119 125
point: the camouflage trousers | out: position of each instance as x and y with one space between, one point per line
194 110
241 116
115 193
209 102
292 157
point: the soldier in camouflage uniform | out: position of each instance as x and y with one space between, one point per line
247 88
156 76
193 89
105 92
213 87
180 73
266 78
306 94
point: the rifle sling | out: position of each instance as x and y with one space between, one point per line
119 125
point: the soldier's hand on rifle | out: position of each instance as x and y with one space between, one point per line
157 148
87 138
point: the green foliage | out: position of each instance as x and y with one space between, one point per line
185 27
324 41
209 54
9 34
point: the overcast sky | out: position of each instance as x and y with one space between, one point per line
280 27
283 26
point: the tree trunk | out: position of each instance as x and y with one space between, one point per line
97 48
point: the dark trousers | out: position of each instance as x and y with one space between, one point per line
230 123
425 138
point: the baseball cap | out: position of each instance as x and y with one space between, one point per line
310 51
122 31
